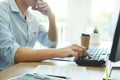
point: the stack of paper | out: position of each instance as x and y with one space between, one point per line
71 72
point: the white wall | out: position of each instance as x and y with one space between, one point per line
78 18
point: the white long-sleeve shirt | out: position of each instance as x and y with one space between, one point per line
17 32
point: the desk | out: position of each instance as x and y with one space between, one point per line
93 73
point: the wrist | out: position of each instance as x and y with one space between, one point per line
57 53
52 21
51 16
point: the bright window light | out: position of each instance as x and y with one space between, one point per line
59 7
101 6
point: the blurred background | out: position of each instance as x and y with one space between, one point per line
74 17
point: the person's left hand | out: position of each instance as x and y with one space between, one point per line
73 50
43 7
80 50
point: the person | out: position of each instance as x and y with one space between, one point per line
19 30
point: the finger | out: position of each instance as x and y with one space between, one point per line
79 50
75 56
79 46
83 51
44 9
70 56
44 4
39 0
89 55
41 3
73 47
73 53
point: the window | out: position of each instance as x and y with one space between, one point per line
81 16
101 15
84 15
59 8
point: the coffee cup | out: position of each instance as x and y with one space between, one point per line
85 40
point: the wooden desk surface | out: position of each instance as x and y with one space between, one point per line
93 73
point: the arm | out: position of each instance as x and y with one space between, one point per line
27 54
14 53
52 33
45 9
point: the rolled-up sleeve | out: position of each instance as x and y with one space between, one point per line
8 45
48 42
44 40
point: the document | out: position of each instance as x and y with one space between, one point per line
70 72
51 72
68 59
35 77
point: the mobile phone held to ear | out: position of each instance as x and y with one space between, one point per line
37 2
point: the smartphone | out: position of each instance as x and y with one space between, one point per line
37 3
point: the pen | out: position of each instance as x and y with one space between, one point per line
64 77
57 76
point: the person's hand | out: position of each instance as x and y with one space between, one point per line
73 50
80 50
43 7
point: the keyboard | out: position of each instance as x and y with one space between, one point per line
99 57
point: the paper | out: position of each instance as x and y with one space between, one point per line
73 72
115 64
32 77
69 59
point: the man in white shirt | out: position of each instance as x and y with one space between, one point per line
19 30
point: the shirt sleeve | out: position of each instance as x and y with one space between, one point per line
44 40
8 45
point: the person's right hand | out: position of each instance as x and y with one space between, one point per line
43 7
73 50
